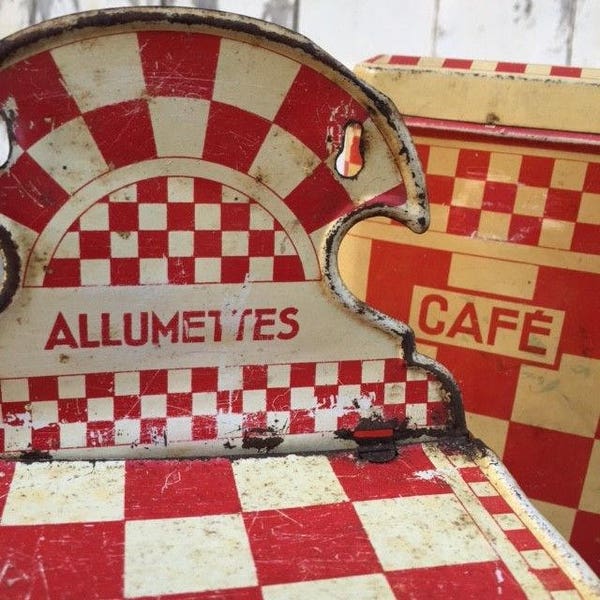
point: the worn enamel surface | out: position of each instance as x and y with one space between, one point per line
431 524
511 298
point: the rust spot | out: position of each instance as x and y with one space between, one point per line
492 119
261 439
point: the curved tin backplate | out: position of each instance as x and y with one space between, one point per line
178 185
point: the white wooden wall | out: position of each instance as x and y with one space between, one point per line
561 32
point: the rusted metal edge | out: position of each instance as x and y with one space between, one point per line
11 267
383 108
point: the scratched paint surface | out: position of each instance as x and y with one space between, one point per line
432 523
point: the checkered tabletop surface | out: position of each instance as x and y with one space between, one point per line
430 524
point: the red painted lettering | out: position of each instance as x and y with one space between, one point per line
142 337
530 328
467 322
193 319
286 317
161 329
262 321
61 334
496 322
105 331
438 327
84 336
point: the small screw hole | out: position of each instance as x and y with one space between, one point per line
350 161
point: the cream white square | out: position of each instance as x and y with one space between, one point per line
95 218
421 531
509 521
326 373
483 488
283 244
260 218
326 420
180 189
73 435
181 243
204 403
179 429
14 390
207 217
415 374
207 270
153 406
69 246
349 394
127 384
65 492
179 381
124 244
278 376
95 272
278 420
178 556
302 397
538 559
234 243
100 409
373 371
17 438
254 401
152 217
230 378
264 484
44 413
153 270
71 386
417 414
365 587
394 393
127 431
435 393
229 424
261 268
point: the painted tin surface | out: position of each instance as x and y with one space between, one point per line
432 524
509 300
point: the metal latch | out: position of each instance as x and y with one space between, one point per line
376 438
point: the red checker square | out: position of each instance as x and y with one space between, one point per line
37 90
561 71
240 146
457 63
495 505
472 474
463 221
123 216
499 197
235 216
508 67
254 421
554 580
229 401
369 481
100 433
523 539
180 216
127 407
524 230
153 382
303 374
394 370
186 488
586 238
181 271
473 164
278 399
437 414
349 420
179 405
123 132
592 178
206 191
7 469
440 189
423 152
124 271
471 580
179 64
205 379
234 269
536 171
585 537
261 243
302 421
314 99
63 272
416 392
549 455
284 544
94 244
72 411
153 244
562 204
30 195
153 431
288 268
399 59
43 388
204 427
394 411
99 385
15 413
207 244
375 391
350 372
74 560
326 395
306 200
45 438
152 191
255 377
